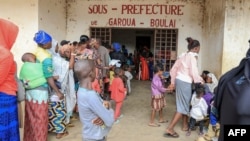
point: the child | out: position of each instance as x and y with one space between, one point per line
96 86
198 110
214 126
127 73
118 90
92 109
158 101
34 79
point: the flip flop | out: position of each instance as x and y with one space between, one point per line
154 125
70 125
62 135
169 135
188 133
184 129
163 121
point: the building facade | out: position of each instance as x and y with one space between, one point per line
163 25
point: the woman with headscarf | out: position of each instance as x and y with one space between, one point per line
36 105
60 111
9 128
211 82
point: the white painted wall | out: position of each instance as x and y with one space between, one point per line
236 33
221 26
52 18
213 36
30 16
24 13
226 34
189 24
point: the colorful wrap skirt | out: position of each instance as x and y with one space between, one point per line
158 102
36 114
57 117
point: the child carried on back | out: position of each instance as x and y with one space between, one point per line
31 72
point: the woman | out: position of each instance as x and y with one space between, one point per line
211 82
36 105
183 73
63 73
144 64
9 128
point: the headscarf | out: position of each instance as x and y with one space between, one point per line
52 50
117 47
214 82
8 33
41 37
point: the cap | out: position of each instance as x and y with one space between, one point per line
64 42
84 38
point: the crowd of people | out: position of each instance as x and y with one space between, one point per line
61 78
84 76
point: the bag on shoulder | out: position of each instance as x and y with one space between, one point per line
20 91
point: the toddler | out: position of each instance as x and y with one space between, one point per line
127 73
117 92
198 109
158 101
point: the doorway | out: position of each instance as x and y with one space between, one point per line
142 41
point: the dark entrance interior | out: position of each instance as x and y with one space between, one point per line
142 41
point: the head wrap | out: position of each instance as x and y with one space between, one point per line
8 33
41 37
52 50
117 47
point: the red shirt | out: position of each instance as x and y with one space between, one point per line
96 86
117 90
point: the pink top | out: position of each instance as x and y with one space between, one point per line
186 69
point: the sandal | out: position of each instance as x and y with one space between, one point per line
188 133
163 121
184 129
70 125
61 135
154 125
171 135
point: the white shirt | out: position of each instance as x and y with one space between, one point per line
199 108
129 76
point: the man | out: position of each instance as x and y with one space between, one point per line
103 54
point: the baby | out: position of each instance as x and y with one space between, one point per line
31 72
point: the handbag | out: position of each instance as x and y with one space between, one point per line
20 91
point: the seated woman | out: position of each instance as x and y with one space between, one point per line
211 81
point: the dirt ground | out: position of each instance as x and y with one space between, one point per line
134 124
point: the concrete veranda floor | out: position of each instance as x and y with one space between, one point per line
134 124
